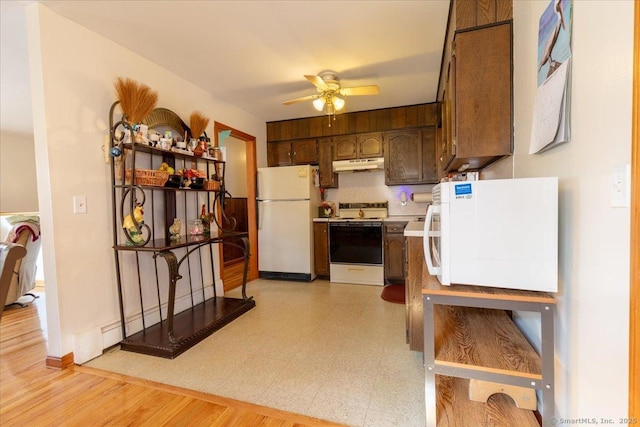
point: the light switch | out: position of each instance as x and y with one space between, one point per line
79 204
620 186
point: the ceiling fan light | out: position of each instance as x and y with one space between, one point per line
330 109
338 103
318 104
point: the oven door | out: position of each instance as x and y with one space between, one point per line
355 242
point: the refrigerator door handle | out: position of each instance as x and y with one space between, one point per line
257 202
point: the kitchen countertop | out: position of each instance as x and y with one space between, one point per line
414 229
408 219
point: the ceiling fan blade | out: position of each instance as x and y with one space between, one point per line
317 82
304 98
360 90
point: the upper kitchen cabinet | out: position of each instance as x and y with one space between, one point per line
478 105
476 89
476 13
410 156
357 135
358 146
300 152
369 145
328 178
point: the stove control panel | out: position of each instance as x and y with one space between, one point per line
363 210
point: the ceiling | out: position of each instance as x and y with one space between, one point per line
254 54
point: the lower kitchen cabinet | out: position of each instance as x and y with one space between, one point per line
417 274
321 248
394 255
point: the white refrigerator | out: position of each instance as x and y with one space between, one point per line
288 201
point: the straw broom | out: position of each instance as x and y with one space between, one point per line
137 100
198 124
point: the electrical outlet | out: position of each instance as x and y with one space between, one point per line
79 204
620 186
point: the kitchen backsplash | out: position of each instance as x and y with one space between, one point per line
370 187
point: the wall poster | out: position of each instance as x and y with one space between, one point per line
551 112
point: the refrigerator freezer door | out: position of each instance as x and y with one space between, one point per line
285 183
285 242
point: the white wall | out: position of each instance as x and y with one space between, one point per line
18 189
370 187
72 72
592 322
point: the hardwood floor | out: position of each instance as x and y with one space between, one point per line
31 394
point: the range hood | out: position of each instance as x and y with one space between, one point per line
376 163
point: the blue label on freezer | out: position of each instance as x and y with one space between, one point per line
462 189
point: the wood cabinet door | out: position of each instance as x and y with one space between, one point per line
279 153
304 152
416 273
344 147
369 145
439 152
403 157
328 179
482 94
321 248
429 172
394 257
448 118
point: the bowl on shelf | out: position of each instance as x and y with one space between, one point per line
197 183
174 181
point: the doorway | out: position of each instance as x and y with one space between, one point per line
241 168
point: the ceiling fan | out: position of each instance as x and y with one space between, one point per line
329 92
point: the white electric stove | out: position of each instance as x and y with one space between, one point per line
356 246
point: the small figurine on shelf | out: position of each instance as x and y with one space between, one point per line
174 229
207 219
134 232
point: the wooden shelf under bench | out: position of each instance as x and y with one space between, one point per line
469 335
455 409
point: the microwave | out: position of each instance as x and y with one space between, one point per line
500 233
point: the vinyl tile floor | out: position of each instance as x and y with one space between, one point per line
327 350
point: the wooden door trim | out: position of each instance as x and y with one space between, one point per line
634 294
252 167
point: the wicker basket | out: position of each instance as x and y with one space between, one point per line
150 177
211 185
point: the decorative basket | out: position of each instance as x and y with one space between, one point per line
149 177
211 185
